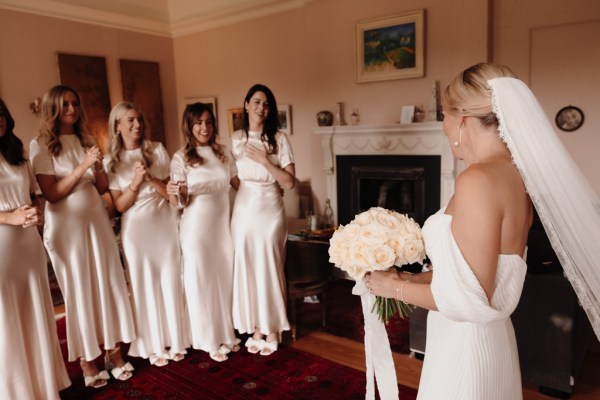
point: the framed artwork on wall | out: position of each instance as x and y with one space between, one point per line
141 85
210 101
390 47
87 75
285 118
569 118
235 117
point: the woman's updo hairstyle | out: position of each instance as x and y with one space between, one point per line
470 95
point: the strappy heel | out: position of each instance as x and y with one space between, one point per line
121 373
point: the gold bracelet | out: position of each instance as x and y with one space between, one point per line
402 291
130 188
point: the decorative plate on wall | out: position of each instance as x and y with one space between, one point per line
569 118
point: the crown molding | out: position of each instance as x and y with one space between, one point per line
233 14
57 9
196 16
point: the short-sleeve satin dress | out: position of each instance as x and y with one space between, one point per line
85 257
259 232
149 237
31 364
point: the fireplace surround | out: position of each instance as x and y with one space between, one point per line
396 153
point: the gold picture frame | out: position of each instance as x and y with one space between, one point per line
285 118
210 101
235 118
390 47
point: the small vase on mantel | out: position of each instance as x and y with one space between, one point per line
324 118
354 117
339 114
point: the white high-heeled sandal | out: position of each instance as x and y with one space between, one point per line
121 373
254 345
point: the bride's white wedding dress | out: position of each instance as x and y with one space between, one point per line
471 351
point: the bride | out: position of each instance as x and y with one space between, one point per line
477 243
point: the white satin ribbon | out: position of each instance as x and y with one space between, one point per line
378 355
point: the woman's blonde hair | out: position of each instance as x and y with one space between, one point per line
470 95
115 144
52 107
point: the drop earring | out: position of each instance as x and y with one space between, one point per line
456 144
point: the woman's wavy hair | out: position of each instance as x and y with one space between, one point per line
11 147
271 125
115 144
52 107
470 95
190 115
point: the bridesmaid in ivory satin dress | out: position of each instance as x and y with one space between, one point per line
138 170
32 366
79 238
200 182
265 164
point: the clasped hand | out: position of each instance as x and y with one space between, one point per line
25 216
93 155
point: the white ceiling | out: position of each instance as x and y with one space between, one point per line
158 17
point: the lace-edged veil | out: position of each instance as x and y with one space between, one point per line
567 205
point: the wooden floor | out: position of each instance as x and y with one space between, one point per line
408 369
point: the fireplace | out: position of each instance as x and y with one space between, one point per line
407 184
405 167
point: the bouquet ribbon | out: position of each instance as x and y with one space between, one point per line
378 355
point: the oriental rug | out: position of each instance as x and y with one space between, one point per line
287 374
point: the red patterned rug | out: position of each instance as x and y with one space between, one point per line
345 318
287 374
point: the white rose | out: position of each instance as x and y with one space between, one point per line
338 249
372 234
387 221
362 219
359 256
383 257
396 242
414 251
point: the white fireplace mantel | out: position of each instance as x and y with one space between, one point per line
423 138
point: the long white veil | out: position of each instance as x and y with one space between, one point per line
567 205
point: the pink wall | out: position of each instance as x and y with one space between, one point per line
553 46
307 57
28 65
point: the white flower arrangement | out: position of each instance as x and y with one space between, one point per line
376 240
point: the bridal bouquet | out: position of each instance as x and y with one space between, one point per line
376 240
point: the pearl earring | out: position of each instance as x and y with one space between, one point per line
456 144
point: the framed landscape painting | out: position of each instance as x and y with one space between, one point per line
390 47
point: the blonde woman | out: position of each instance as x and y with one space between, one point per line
79 237
138 170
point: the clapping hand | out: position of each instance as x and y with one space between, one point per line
139 173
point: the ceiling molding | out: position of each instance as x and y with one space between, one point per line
198 16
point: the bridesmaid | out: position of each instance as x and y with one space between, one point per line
32 366
138 170
265 163
200 177
79 237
